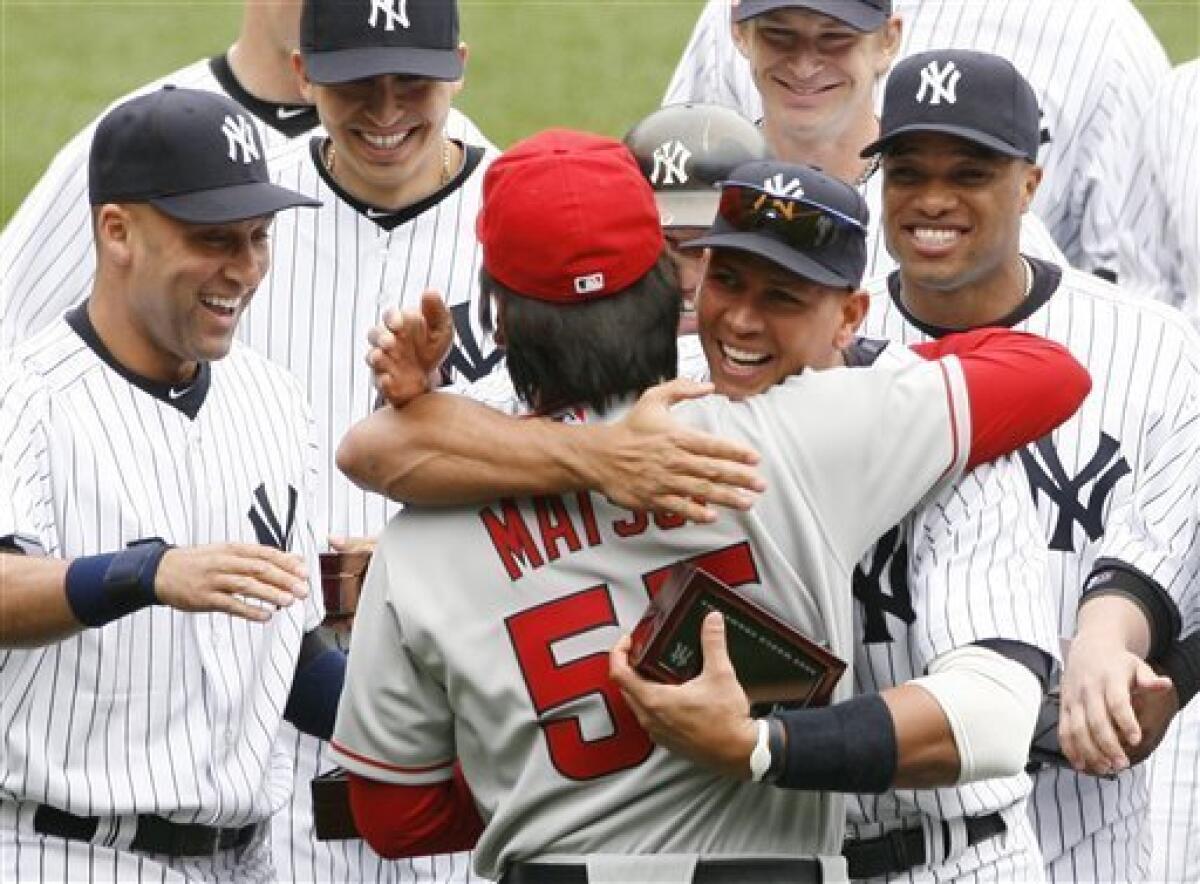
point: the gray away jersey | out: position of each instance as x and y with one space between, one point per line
554 758
1160 223
1118 480
1092 63
161 711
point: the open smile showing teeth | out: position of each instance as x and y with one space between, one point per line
744 357
934 236
225 306
384 142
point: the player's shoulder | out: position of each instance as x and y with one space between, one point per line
1078 289
54 358
292 163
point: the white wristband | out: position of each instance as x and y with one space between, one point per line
760 758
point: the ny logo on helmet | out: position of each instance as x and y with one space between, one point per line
393 12
939 83
777 186
239 133
670 164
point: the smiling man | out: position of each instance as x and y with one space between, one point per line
156 521
400 191
1115 486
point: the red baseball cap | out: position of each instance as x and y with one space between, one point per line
568 217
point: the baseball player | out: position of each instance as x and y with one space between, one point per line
1092 63
976 536
47 257
399 196
1115 486
594 787
685 151
1160 229
156 619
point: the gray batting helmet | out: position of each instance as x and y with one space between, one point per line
685 151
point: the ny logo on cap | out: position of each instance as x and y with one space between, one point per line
670 164
776 186
239 133
590 284
939 82
394 12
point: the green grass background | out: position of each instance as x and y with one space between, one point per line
595 64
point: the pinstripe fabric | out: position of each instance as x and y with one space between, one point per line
1130 499
1091 62
1160 222
160 711
332 276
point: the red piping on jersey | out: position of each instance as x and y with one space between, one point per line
953 418
383 765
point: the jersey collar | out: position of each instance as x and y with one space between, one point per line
186 399
288 119
1046 278
391 220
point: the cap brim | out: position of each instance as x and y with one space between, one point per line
967 134
858 17
693 208
775 252
345 65
223 205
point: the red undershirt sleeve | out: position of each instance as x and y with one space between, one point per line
1020 386
402 821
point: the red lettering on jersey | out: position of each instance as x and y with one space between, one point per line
588 513
555 525
669 521
632 526
510 535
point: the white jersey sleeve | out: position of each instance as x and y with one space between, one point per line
1160 222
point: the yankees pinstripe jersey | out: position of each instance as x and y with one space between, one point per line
333 274
47 257
554 758
1092 63
163 712
1119 480
1160 224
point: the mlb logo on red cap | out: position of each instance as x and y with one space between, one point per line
589 285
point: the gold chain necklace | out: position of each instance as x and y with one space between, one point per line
330 158
865 176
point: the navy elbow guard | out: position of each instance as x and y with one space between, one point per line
849 747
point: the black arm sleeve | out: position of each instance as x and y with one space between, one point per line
1113 577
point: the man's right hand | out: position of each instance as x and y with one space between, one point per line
649 461
241 579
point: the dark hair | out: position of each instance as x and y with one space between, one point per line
593 352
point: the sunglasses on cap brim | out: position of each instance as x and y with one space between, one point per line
802 223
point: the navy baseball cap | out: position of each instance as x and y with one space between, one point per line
976 96
862 15
193 155
345 40
686 151
807 222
